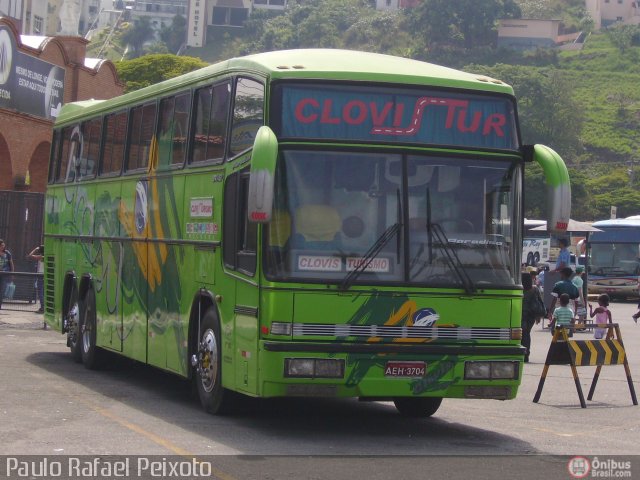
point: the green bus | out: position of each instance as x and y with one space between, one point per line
298 223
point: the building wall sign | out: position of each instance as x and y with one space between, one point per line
197 23
28 84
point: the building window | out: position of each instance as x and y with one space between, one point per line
38 22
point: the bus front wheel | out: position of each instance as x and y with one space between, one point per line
417 406
91 354
206 362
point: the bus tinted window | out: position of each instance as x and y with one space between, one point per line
211 114
115 135
248 114
143 119
172 133
70 151
55 155
90 148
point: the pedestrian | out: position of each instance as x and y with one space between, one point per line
37 254
564 256
602 314
580 306
563 315
6 265
540 277
532 311
564 286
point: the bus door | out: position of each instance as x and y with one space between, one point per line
239 308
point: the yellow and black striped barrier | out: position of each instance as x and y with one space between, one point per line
581 353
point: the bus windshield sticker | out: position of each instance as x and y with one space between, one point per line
376 265
319 263
325 112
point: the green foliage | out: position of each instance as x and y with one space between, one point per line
149 69
622 36
174 35
465 23
137 34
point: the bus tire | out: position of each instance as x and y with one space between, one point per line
73 325
417 406
530 258
208 368
536 259
91 354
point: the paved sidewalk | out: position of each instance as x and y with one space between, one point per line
20 319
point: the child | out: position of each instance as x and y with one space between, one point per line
562 315
602 315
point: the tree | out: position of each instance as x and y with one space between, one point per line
174 36
468 23
149 69
306 24
622 36
137 34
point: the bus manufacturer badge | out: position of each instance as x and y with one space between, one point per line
425 317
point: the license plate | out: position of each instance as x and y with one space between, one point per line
405 369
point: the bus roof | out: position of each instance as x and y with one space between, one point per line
630 222
307 64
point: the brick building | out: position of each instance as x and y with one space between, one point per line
38 75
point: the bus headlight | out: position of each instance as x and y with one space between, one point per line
314 367
500 370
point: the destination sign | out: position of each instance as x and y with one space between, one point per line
394 115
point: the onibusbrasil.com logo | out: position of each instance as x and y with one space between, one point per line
582 467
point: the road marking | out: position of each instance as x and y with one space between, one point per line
157 439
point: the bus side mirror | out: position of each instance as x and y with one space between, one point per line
261 179
558 188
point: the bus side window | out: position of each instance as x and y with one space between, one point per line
172 130
54 161
240 236
210 122
248 115
71 149
113 151
91 132
142 127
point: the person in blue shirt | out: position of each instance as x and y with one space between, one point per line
564 257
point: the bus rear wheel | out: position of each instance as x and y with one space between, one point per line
417 406
72 321
207 364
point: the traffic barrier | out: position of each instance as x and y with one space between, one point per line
581 353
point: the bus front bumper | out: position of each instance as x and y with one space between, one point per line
387 370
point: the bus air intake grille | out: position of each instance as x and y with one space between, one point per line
382 331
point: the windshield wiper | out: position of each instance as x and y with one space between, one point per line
373 251
453 261
452 258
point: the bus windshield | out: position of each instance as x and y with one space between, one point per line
393 218
615 252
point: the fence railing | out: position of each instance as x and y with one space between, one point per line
21 291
